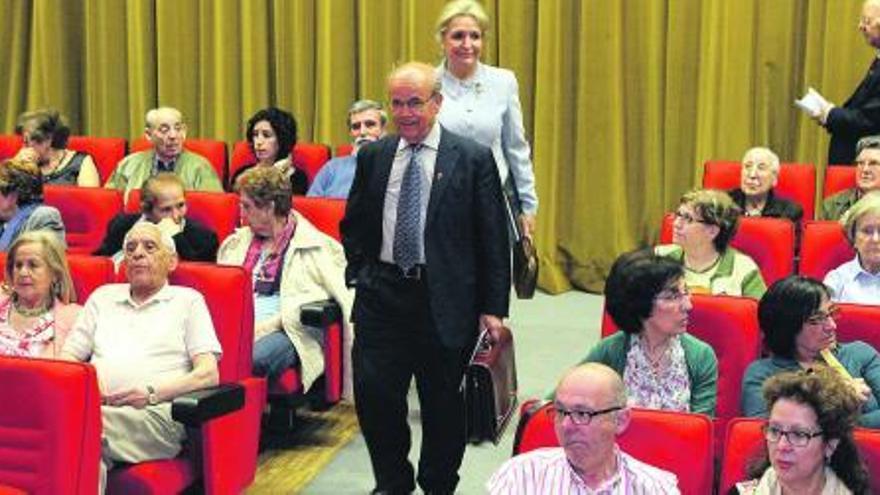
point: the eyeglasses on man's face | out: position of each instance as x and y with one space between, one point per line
580 417
414 104
796 438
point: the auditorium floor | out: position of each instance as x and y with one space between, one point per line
550 332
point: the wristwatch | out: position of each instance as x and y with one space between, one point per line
152 398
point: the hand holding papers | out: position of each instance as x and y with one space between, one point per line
813 103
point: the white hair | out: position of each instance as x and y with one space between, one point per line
166 239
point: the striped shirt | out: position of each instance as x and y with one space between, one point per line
547 472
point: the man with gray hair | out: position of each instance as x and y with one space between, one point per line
149 342
366 123
755 195
867 179
590 413
166 129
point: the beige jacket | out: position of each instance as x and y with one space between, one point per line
314 267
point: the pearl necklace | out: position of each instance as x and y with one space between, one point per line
28 312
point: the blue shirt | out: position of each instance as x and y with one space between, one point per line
335 178
850 283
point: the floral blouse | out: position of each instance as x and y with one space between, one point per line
30 343
668 390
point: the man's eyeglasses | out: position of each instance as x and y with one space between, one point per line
414 104
821 317
796 438
687 218
580 418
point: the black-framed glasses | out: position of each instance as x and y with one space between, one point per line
796 438
580 418
687 218
822 317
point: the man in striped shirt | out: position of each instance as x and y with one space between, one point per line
590 411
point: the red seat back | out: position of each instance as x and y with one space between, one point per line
212 150
745 442
343 150
105 151
86 211
677 442
823 248
859 322
87 272
51 428
838 178
324 213
216 211
768 241
797 181
9 145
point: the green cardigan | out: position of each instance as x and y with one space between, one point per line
736 275
701 363
195 172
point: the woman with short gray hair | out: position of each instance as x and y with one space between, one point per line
858 280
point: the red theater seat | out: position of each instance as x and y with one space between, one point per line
730 326
838 178
797 181
344 150
106 152
859 322
88 273
308 157
214 151
228 451
86 211
823 248
768 241
677 442
9 145
217 211
324 213
745 441
50 429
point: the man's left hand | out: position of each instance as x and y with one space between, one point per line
527 225
133 397
493 325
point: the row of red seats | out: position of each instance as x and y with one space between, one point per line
771 243
730 326
682 444
107 152
87 211
797 181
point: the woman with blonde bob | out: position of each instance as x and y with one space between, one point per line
37 306
809 438
705 222
856 281
482 102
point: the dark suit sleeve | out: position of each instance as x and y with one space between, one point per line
352 225
196 242
493 244
116 230
858 120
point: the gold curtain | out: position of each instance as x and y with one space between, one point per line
623 101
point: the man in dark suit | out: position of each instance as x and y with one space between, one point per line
860 114
163 203
426 241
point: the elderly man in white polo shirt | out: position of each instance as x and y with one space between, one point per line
591 412
149 342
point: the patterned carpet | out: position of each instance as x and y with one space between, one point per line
290 460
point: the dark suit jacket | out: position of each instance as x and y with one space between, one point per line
855 119
195 243
775 207
467 252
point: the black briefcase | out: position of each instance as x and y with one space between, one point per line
490 388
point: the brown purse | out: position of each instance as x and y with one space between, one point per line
525 268
490 388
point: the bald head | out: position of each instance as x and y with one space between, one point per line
596 380
869 22
414 91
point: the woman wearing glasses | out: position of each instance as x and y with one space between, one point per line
856 281
797 321
482 103
810 446
705 222
662 366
